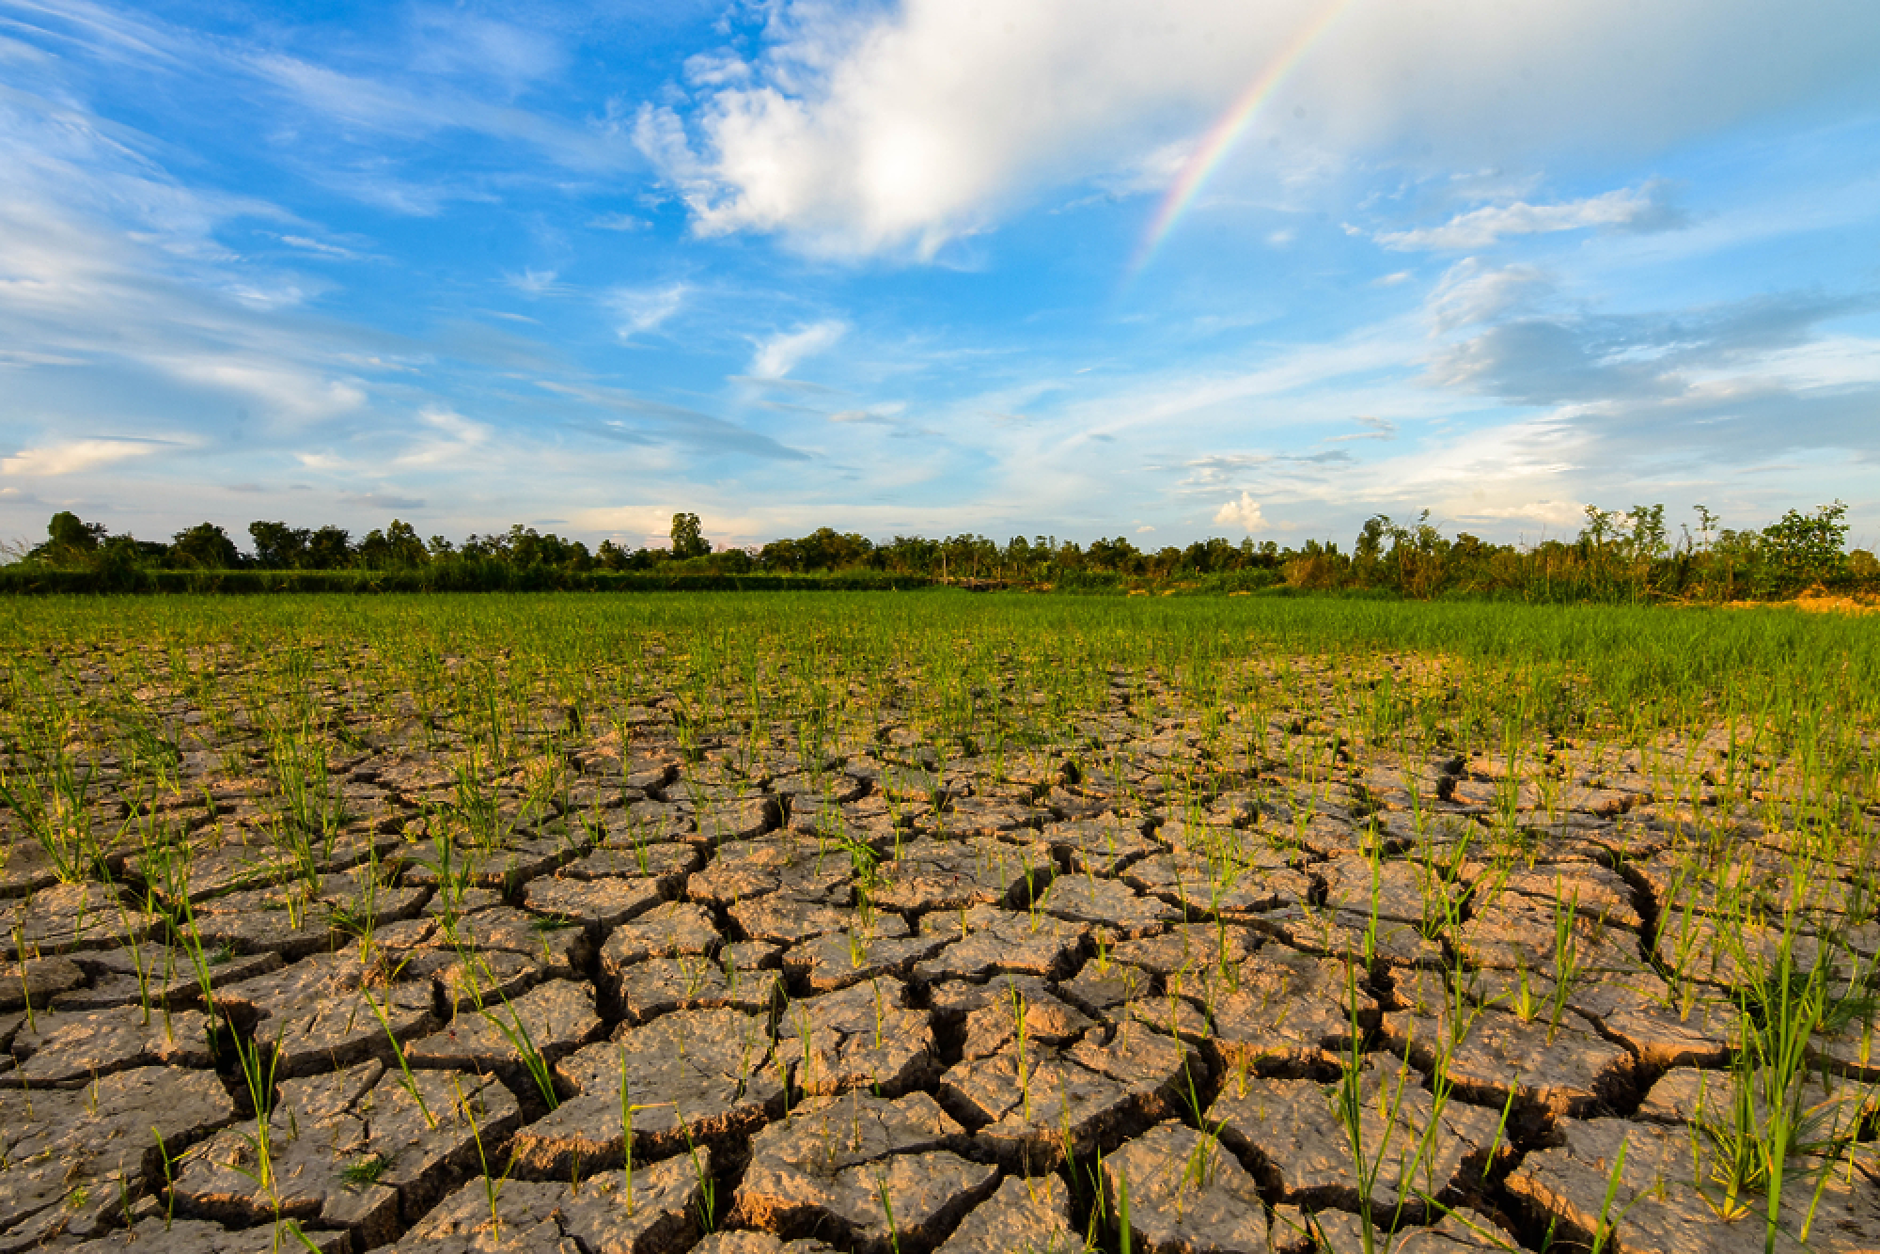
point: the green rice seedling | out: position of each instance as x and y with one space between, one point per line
1768 1122
492 1186
707 1186
407 1080
887 1208
366 1170
169 1179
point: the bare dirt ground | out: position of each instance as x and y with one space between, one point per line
1176 984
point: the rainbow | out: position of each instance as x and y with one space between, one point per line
1225 133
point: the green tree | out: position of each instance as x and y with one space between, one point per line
70 541
688 538
1804 549
396 548
329 548
279 546
204 546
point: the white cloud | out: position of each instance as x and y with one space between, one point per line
779 354
901 127
74 456
533 282
1243 513
1481 228
456 435
1472 292
641 310
284 389
618 222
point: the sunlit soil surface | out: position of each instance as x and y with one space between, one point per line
905 923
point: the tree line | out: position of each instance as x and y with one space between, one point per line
1617 556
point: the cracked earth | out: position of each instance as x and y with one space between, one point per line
1168 982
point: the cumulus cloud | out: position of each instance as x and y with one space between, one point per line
882 128
1627 209
1243 513
779 355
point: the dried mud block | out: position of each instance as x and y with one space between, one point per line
653 1211
1026 1216
295 919
1553 1069
1099 846
983 941
749 1241
476 975
1664 1198
1176 1016
67 1049
552 1020
1852 1051
722 820
1215 837
1209 886
1331 836
1342 934
453 902
928 874
1517 932
863 1036
1831 1107
355 1149
786 918
666 931
826 1169
74 1155
25 867
988 816
62 918
1106 989
858 952
1091 1093
1203 949
1015 1008
1399 890
737 978
1284 1010
666 865
157 974
1592 891
1185 1194
509 865
1299 1133
284 919
1461 1231
709 1074
1734 952
599 905
1115 907
745 869
196 1236
37 981
562 948
322 1013
653 822
1665 1028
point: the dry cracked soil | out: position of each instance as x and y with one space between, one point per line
654 987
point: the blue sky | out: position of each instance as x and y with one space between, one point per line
881 266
